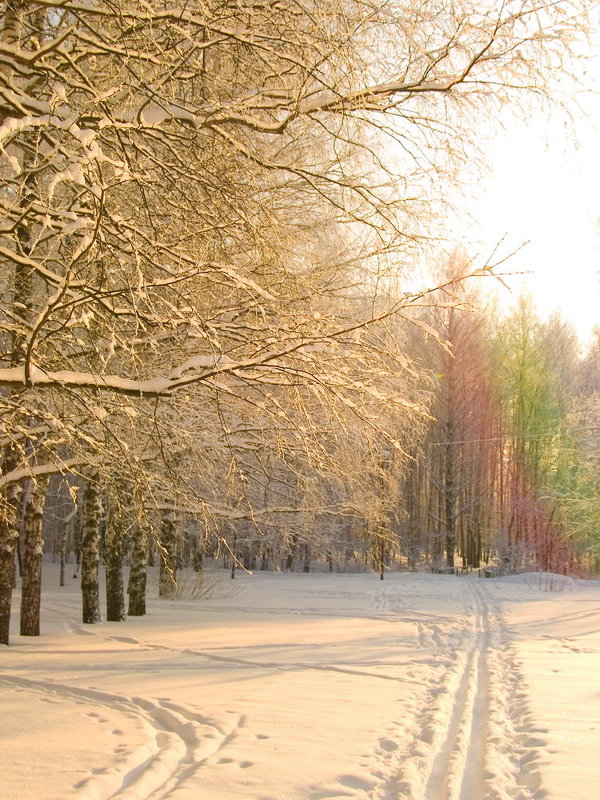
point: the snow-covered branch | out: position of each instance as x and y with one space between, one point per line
36 470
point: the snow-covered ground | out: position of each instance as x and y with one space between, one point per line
307 687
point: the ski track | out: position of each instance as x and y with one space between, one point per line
179 741
473 738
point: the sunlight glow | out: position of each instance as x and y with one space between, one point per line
542 195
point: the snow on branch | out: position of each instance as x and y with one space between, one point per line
36 470
238 514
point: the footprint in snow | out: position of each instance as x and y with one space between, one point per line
355 782
388 744
95 716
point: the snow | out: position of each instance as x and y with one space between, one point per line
153 116
39 377
556 627
306 687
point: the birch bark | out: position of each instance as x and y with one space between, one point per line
31 587
92 516
136 587
167 586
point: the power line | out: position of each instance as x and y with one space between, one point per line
518 436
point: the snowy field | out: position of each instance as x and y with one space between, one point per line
307 687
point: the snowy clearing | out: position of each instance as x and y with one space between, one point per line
307 687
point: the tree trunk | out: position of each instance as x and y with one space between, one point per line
289 561
167 582
136 587
63 551
450 495
113 561
264 558
198 557
9 536
10 34
114 550
31 592
249 559
19 554
77 537
92 514
306 564
234 555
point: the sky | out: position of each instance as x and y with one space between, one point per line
542 191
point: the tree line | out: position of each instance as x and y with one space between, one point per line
501 469
507 470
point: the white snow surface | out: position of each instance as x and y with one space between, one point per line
310 687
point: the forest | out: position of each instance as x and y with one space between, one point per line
232 322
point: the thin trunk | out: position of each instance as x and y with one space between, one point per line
77 535
264 559
19 552
10 34
234 555
167 583
9 536
249 560
136 587
306 565
197 556
31 592
64 542
152 551
63 547
114 552
92 515
289 561
450 496
113 561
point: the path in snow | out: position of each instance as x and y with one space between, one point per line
474 738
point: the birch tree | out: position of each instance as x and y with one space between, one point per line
32 558
92 514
